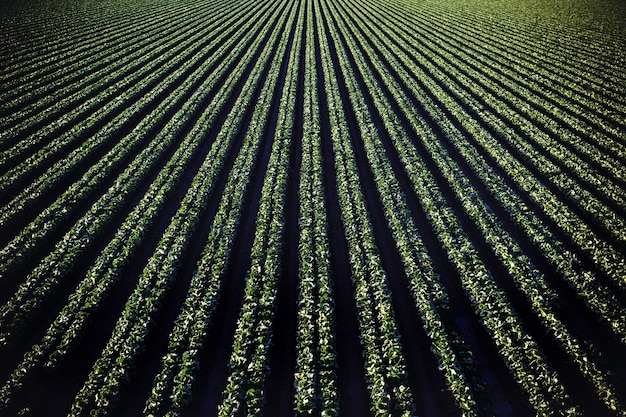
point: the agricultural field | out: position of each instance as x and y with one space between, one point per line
313 208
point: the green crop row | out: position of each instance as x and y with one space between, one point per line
70 322
316 363
44 278
524 273
130 334
249 360
598 296
385 366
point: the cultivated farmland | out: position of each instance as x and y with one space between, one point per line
313 208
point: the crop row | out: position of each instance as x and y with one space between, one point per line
454 116
588 52
548 100
429 295
180 363
67 132
481 288
521 76
573 133
40 54
316 363
87 89
385 366
47 221
137 97
539 233
249 362
131 331
77 240
570 52
545 69
52 75
70 322
519 266
562 258
557 162
296 182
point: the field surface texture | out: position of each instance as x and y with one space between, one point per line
313 208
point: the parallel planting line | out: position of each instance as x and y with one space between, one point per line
88 227
460 249
387 384
316 363
598 52
312 208
249 360
79 48
98 98
489 127
45 58
103 139
179 365
70 322
549 75
29 107
533 149
519 267
51 69
131 331
429 295
521 39
519 90
597 295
